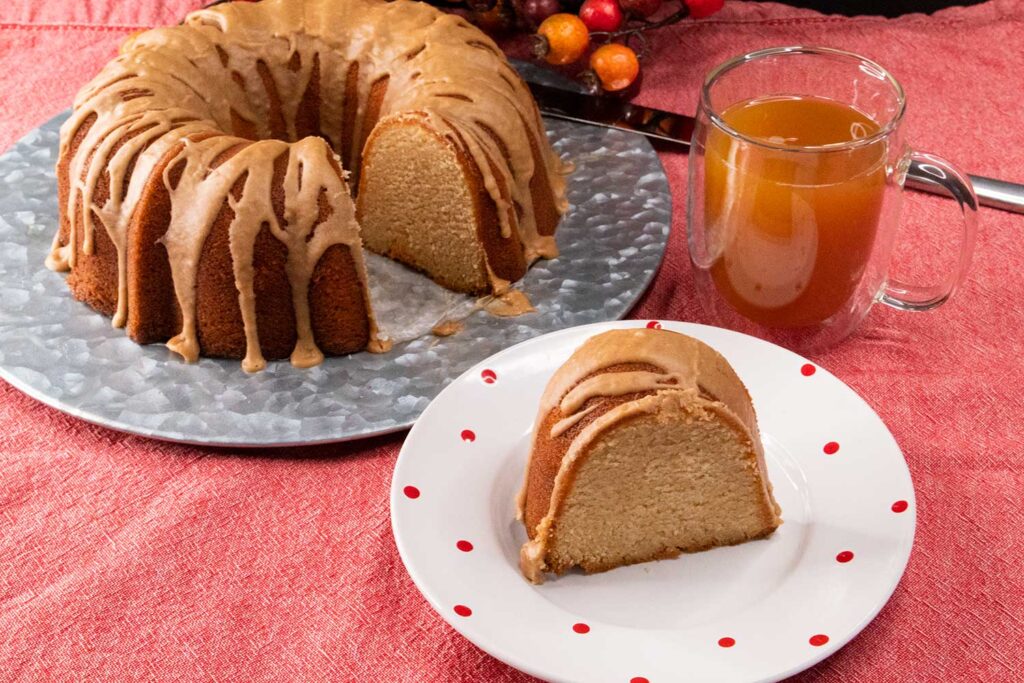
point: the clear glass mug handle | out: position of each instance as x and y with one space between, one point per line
909 297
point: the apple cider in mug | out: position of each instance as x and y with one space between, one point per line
796 173
790 235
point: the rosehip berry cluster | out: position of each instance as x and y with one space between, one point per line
610 25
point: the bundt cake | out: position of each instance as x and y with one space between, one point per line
645 446
201 185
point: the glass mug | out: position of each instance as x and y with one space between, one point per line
795 177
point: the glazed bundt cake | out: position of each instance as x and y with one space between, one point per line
202 193
645 446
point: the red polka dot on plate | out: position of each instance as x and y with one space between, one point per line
807 370
831 448
468 435
464 546
411 492
581 628
489 376
818 640
638 679
463 611
726 642
844 556
900 506
654 325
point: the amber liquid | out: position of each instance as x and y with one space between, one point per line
790 233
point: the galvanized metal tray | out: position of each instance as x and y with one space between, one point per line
60 352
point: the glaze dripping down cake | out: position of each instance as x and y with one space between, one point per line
645 446
204 199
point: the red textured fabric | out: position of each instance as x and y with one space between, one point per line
124 558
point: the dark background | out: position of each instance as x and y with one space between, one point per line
887 8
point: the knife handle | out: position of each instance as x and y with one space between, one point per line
997 194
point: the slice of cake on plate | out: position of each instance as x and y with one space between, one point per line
645 446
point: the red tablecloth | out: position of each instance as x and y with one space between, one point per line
122 557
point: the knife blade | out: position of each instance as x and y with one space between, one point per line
677 129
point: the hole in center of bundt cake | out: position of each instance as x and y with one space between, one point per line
287 97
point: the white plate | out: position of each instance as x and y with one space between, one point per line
760 611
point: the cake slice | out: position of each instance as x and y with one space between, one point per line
645 446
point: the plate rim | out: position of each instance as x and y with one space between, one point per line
121 426
820 654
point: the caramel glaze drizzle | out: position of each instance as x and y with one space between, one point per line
612 384
202 88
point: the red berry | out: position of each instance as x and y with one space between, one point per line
641 8
703 8
536 11
601 15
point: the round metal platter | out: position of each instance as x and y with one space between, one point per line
62 353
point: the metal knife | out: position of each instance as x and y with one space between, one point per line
678 129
